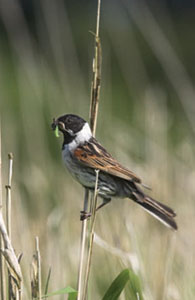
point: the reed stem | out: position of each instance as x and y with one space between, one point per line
2 265
91 236
8 194
38 266
82 247
93 112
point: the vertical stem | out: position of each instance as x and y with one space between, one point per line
2 266
95 87
82 247
91 236
98 18
8 195
38 266
47 281
20 294
11 286
95 91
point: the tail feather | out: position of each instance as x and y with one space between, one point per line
160 211
169 211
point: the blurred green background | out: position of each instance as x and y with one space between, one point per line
146 120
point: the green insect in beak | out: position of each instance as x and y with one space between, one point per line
57 132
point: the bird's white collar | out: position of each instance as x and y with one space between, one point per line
81 137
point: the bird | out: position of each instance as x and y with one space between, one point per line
83 155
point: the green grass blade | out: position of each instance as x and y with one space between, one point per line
47 281
126 277
67 290
134 286
72 296
117 286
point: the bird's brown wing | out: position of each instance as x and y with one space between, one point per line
93 155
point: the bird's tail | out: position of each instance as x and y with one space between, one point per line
160 211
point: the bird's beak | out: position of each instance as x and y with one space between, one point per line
58 126
54 124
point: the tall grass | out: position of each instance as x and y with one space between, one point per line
145 120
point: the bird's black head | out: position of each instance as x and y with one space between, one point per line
69 125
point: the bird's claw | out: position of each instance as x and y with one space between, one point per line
84 215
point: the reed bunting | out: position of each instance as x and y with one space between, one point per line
83 154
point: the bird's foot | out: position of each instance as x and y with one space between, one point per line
84 215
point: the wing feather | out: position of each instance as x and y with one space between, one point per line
93 155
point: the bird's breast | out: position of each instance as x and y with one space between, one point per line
82 174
